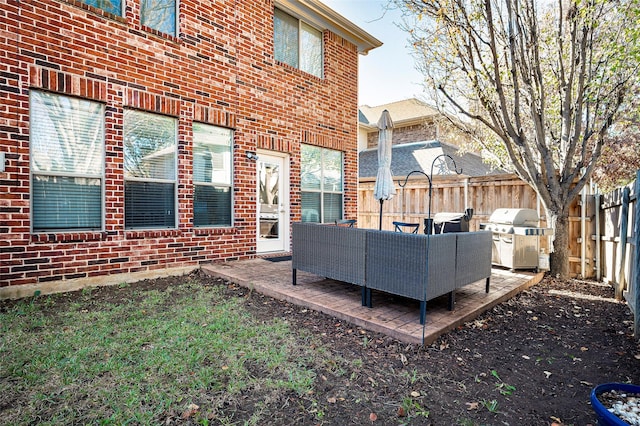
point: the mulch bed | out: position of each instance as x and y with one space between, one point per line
532 360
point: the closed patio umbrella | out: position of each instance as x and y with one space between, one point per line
384 189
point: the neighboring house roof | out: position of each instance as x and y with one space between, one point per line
323 17
419 156
403 112
362 118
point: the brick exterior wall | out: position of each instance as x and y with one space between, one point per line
219 70
405 134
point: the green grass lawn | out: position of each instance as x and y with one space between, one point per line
185 352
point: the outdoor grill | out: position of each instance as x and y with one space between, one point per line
516 238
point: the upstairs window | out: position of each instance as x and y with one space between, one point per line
66 147
322 184
111 6
212 174
159 15
297 43
149 170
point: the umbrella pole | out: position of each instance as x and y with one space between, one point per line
380 225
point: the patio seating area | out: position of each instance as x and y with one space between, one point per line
392 315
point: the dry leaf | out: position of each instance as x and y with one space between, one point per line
373 417
403 359
331 400
584 349
401 412
473 405
192 409
415 394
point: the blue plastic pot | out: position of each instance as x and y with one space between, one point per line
605 418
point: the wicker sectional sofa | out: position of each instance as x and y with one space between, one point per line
418 267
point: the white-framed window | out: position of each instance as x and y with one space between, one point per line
160 15
66 147
321 180
297 43
150 164
115 7
212 175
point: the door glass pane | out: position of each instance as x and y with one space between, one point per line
269 181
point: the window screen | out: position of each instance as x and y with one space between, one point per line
67 162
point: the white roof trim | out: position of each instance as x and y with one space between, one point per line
318 14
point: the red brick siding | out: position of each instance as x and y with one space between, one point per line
426 131
219 69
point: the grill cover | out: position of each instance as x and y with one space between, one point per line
450 222
515 217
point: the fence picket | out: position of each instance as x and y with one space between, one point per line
635 284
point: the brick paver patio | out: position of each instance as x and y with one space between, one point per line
391 315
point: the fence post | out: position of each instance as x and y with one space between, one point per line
624 221
635 267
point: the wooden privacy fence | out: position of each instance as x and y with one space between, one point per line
450 193
620 215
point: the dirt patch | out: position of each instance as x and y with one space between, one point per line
532 360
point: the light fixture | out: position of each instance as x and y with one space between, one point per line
252 155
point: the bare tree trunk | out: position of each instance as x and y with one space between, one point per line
559 257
